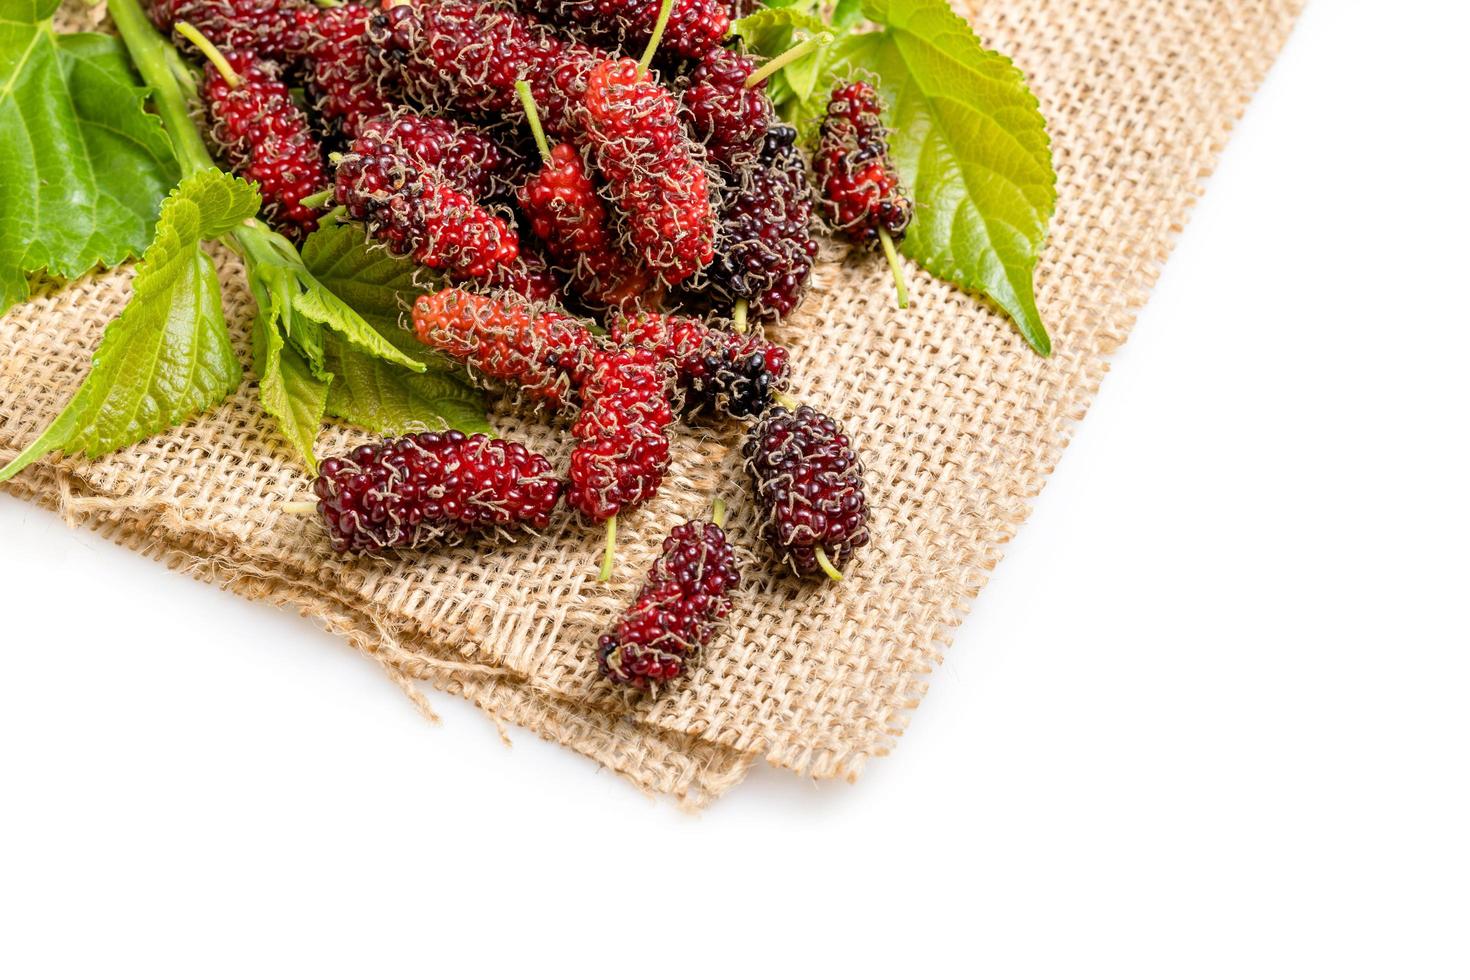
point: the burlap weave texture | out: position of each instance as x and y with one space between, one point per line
959 424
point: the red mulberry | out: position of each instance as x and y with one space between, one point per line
734 374
275 29
261 135
622 450
652 170
858 184
764 250
694 27
411 491
342 78
504 337
416 208
562 208
808 484
730 118
686 597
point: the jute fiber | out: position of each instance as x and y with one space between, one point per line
959 424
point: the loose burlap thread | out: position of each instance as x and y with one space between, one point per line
958 422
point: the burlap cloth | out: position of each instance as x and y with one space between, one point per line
958 421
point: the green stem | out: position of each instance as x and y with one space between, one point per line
719 512
216 57
528 102
827 566
785 401
891 254
742 312
786 57
151 55
609 549
655 37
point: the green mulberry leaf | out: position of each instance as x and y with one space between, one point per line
82 166
167 356
390 400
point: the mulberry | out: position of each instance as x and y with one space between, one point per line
686 597
858 184
411 491
276 29
651 168
735 374
506 338
694 26
728 116
561 205
765 250
808 483
461 56
417 208
622 450
342 79
261 135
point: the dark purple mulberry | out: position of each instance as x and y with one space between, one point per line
686 597
417 489
734 374
342 75
764 249
694 27
275 29
808 484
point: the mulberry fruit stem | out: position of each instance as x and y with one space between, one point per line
891 254
320 198
742 314
786 57
528 102
785 401
207 48
298 507
826 565
718 512
609 550
657 36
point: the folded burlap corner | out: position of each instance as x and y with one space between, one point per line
958 422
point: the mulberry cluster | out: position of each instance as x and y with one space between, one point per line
729 118
262 136
808 485
651 168
686 597
765 250
561 206
622 450
416 489
546 354
694 28
731 374
342 70
276 29
418 208
857 182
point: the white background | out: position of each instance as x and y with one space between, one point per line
1209 719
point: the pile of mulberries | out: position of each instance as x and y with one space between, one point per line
606 231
